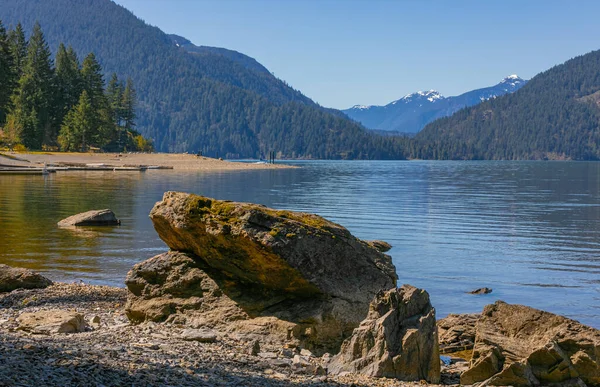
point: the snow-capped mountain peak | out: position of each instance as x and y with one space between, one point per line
512 80
430 95
360 107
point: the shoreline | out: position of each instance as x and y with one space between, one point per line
115 352
176 161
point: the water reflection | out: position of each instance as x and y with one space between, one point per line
529 230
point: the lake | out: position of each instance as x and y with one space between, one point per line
529 230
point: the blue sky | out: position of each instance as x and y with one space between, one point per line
341 53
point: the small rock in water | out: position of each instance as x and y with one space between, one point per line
201 335
91 218
481 291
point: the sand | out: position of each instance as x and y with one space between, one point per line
178 161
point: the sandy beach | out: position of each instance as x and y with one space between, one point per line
177 161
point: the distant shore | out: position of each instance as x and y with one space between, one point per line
178 161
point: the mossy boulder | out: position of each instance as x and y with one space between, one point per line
295 266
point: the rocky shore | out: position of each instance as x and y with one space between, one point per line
252 296
114 352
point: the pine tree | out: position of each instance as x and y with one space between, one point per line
128 105
93 83
68 81
114 93
7 81
77 128
18 48
32 101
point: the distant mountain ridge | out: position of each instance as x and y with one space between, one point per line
244 60
556 116
412 112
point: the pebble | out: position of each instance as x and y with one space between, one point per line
117 353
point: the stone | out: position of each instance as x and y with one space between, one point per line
522 346
91 218
52 322
481 291
254 348
398 339
264 262
201 335
12 278
306 352
381 246
456 332
173 282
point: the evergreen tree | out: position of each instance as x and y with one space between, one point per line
114 93
77 129
32 102
6 74
18 48
68 81
128 105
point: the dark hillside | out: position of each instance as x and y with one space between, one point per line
209 100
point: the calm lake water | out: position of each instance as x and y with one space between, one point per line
529 230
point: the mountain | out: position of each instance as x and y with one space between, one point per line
555 116
194 98
411 113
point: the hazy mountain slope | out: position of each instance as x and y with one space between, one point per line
555 116
210 100
411 113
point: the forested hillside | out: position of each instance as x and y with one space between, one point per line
43 106
555 116
203 101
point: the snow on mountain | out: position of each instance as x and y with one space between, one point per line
412 112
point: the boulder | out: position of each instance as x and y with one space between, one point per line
398 339
12 278
521 346
52 322
173 283
296 267
91 218
457 332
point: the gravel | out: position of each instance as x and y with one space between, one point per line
115 353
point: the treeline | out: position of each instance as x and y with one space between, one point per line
64 106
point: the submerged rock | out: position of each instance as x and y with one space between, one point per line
521 346
398 339
91 218
52 322
481 291
309 274
12 278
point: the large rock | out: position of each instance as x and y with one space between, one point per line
521 346
12 278
91 218
294 267
173 283
457 332
398 339
52 322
